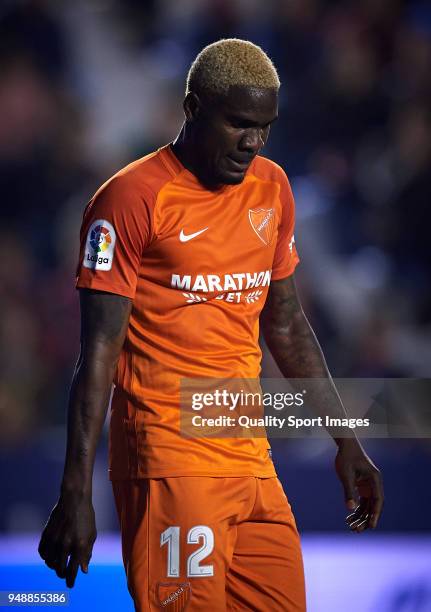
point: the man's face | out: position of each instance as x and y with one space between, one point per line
229 133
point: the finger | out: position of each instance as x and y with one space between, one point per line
376 502
348 483
363 524
361 520
352 517
50 563
62 550
359 510
46 546
49 542
360 523
61 563
85 561
375 515
48 551
361 514
72 570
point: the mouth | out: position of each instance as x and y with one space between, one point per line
239 165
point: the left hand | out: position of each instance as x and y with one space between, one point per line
360 478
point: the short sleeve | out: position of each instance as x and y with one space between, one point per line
116 229
285 256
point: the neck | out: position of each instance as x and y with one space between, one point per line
187 151
184 149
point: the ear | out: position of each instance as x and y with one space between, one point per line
192 106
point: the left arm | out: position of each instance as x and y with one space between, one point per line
297 353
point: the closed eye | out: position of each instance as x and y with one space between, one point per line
239 123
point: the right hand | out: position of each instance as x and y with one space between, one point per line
68 537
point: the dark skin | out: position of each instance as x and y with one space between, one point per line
218 141
67 540
297 353
222 135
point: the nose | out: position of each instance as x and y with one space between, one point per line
252 141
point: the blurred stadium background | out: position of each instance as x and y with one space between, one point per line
89 85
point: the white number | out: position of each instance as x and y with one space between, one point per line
171 536
193 537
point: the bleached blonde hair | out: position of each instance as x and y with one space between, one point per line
231 61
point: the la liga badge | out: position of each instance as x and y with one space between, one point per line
100 246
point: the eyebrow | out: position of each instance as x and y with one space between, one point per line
249 122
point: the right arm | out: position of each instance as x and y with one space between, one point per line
69 535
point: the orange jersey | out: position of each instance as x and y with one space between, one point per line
197 265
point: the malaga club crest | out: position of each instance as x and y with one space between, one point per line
173 596
263 222
100 246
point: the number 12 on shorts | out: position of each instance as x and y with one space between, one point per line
171 537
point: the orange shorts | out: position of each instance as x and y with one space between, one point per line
210 544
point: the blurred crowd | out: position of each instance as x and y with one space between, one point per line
89 85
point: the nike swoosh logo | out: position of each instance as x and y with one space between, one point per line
186 237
